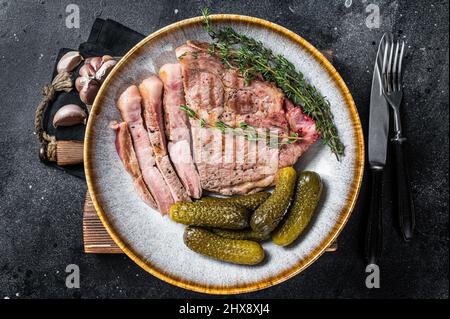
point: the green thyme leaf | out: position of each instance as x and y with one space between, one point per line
190 112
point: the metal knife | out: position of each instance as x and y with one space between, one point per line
377 149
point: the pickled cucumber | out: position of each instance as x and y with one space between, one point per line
307 195
251 202
205 214
267 216
245 234
204 242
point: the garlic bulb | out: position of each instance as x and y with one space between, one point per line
91 76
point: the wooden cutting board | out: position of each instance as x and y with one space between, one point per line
95 236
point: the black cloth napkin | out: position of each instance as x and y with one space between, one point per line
106 37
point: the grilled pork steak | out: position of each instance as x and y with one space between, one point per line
220 95
151 91
129 104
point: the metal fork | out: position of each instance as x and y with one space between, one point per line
393 91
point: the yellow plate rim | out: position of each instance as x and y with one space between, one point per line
343 216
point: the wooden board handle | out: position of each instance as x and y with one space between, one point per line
69 152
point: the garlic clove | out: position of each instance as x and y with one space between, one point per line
104 70
68 115
69 61
83 81
89 91
87 70
106 58
80 82
96 63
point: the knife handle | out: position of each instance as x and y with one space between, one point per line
374 241
405 205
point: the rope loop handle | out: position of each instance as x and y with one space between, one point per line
61 82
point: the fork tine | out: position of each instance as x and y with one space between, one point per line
394 68
390 64
399 69
385 61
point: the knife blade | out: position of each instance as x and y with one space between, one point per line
379 115
378 139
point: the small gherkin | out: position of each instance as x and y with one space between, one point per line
268 215
210 214
243 252
307 195
251 202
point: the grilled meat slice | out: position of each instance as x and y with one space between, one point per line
178 129
129 104
151 90
124 147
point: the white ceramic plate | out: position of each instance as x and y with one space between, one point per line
155 242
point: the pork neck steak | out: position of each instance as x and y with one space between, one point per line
229 163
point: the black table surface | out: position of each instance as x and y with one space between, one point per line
40 207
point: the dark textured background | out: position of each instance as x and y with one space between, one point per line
40 207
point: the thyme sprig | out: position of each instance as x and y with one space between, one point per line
246 130
253 59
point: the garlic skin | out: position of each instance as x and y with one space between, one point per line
69 61
68 115
80 82
104 70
